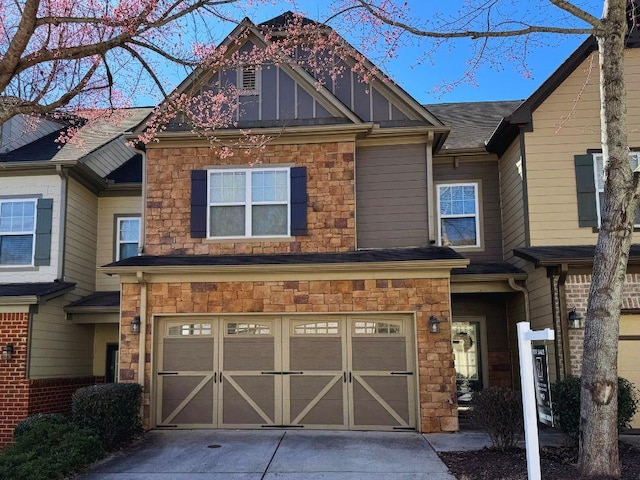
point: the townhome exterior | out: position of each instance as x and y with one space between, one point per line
551 168
298 286
51 200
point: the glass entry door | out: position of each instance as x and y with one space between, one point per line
468 359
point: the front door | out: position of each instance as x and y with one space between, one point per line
466 338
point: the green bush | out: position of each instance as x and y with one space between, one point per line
565 395
112 410
498 412
49 450
30 422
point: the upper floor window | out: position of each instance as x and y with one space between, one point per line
598 165
127 237
17 231
249 203
458 217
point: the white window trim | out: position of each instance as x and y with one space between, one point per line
119 220
476 187
600 188
33 233
248 204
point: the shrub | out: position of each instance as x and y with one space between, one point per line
112 410
49 450
30 422
498 412
565 395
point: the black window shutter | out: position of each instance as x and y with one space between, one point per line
298 200
586 188
198 203
43 232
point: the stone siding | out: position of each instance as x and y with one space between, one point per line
425 297
330 190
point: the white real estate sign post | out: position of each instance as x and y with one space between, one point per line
525 337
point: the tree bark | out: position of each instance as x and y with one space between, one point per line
599 407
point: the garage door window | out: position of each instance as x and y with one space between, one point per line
248 329
315 328
376 328
189 329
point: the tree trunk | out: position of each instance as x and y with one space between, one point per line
599 406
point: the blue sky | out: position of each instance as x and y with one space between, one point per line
502 81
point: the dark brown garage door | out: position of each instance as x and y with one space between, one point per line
337 372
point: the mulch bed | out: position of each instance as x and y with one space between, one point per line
558 463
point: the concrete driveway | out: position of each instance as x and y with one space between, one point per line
269 455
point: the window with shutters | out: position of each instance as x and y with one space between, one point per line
599 176
248 203
17 232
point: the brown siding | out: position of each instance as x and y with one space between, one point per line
492 306
391 193
484 170
511 191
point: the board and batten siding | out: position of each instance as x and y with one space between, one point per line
108 209
59 348
483 170
511 193
562 128
36 186
81 237
391 196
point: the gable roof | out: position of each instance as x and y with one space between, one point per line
257 34
510 126
472 123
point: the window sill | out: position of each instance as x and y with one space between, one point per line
249 239
17 268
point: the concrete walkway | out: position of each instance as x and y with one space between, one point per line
270 455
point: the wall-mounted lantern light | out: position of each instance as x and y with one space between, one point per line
574 319
7 351
434 324
135 325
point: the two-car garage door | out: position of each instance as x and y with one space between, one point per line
338 372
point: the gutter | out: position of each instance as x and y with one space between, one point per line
142 336
561 317
143 199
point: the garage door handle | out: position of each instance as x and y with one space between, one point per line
344 377
167 373
271 373
401 373
292 373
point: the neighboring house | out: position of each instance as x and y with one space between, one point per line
58 316
551 171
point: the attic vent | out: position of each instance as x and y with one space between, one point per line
249 78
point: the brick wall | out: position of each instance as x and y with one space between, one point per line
500 369
577 294
330 189
14 387
53 395
426 297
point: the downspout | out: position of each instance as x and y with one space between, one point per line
142 340
143 212
64 178
562 305
527 314
430 191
